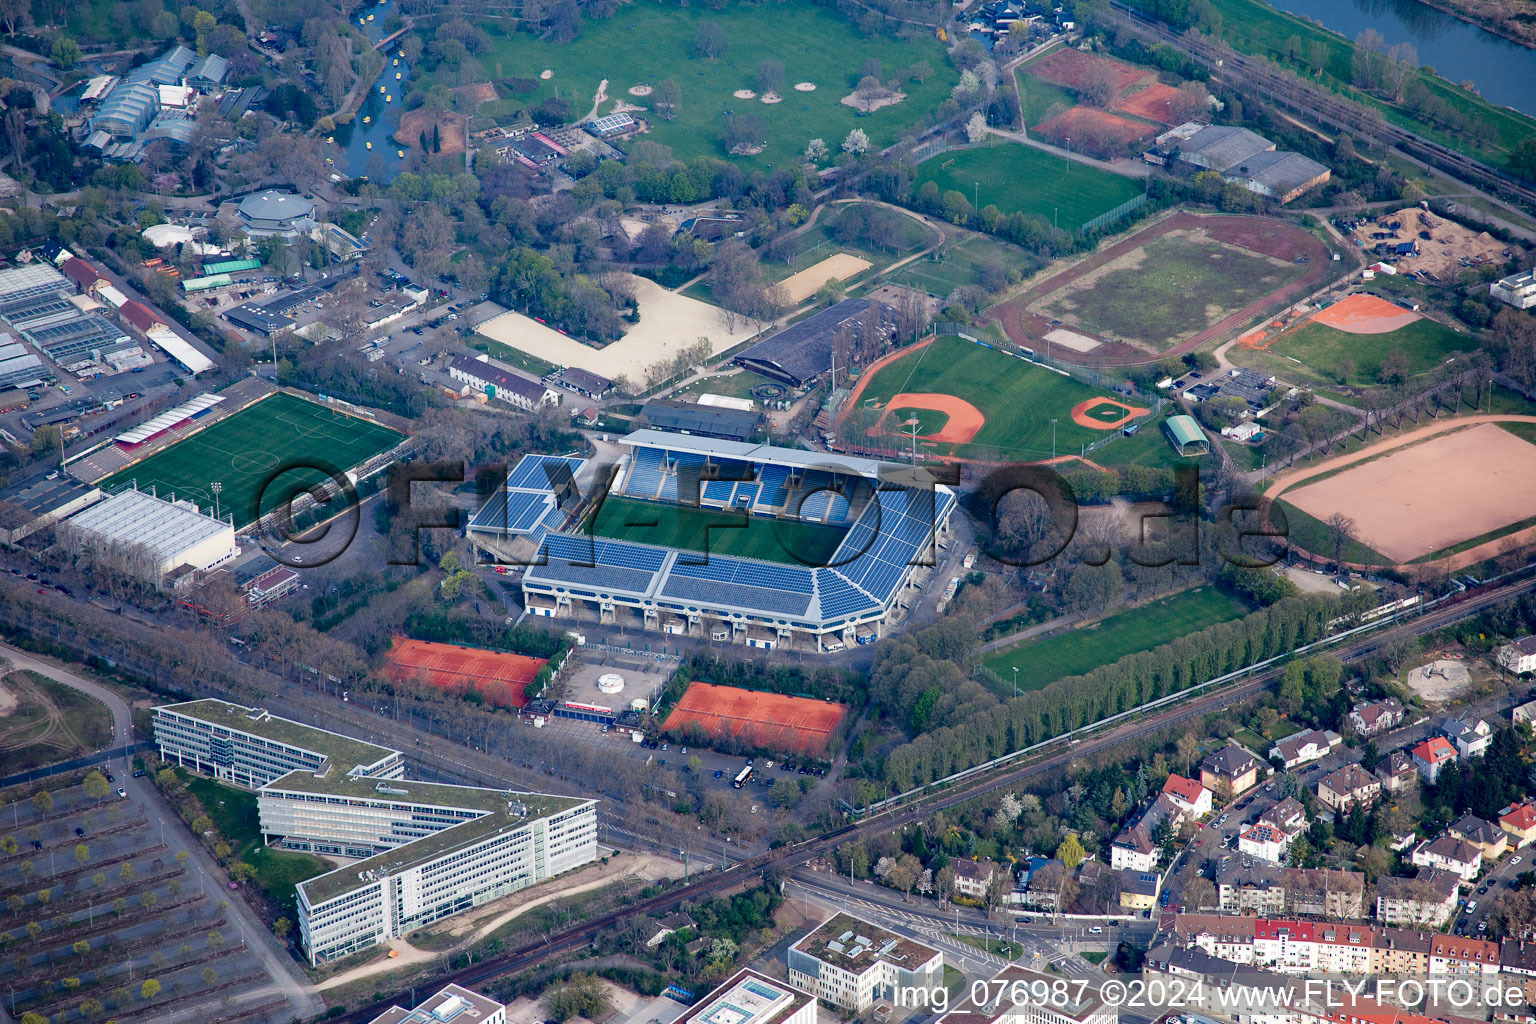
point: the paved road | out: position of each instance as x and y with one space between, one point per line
279 965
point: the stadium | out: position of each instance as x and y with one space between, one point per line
722 540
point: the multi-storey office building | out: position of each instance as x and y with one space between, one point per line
251 746
420 851
748 997
853 964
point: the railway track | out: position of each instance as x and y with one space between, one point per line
581 935
1235 68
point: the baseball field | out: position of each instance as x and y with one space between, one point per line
262 456
976 402
1018 178
1349 341
716 533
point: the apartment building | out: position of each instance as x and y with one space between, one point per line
1472 736
1377 717
250 747
1344 787
1230 771
1191 798
1426 900
853 964
1459 857
1432 755
1519 820
1489 838
1307 745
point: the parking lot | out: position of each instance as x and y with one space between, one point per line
98 891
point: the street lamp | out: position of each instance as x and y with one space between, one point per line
217 488
1053 440
1015 680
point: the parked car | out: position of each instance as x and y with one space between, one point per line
121 793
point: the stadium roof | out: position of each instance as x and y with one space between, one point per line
763 453
708 421
272 207
527 503
168 419
802 352
140 519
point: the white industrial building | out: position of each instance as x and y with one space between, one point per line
420 851
1518 290
251 747
748 997
156 540
853 964
445 849
454 1003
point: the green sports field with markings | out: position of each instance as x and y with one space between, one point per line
262 456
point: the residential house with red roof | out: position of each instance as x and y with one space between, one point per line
1192 799
1519 820
1432 755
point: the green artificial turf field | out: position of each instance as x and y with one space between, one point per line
646 42
245 450
1018 399
1074 652
1014 177
716 533
1174 286
1355 359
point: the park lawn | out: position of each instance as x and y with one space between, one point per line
1038 96
647 42
715 532
1042 662
262 455
960 261
1148 302
1018 178
731 385
1253 26
1018 399
1313 535
233 812
1328 351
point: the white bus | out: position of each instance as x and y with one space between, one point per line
743 777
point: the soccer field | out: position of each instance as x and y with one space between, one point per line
1018 399
1013 177
1074 652
716 533
262 455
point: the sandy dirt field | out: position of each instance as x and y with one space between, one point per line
450 128
1431 495
1365 314
1072 68
8 700
1153 102
1072 340
838 267
1441 253
858 102
1086 122
668 324
1439 680
1309 582
963 423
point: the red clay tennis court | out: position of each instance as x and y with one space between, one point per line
499 677
765 719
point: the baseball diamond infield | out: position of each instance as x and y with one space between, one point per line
1427 491
1084 416
770 720
1359 313
1276 240
964 419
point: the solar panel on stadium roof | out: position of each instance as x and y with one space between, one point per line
524 509
531 472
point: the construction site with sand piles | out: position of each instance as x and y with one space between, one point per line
1455 490
770 721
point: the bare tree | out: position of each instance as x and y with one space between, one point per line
1341 531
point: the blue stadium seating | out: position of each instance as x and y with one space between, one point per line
773 480
645 476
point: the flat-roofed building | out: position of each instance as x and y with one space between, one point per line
748 997
443 849
853 964
251 746
149 537
1518 290
452 1005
